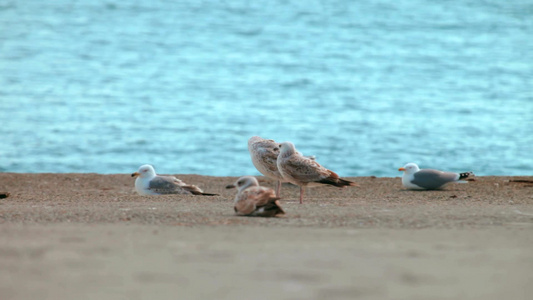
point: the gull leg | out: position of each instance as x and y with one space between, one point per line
278 189
302 195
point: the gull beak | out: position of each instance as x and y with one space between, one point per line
135 174
230 186
401 169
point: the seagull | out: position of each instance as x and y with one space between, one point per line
303 171
428 179
149 183
254 200
264 154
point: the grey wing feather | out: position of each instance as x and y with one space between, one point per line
166 185
433 179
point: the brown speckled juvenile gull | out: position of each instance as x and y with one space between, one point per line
303 171
254 200
264 154
428 179
149 183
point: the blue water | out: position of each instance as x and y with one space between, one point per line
365 86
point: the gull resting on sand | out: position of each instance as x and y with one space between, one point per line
254 200
415 178
149 183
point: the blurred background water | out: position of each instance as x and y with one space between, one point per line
365 86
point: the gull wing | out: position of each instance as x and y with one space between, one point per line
165 185
433 179
304 169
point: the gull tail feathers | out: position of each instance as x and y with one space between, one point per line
465 175
203 194
278 207
273 208
193 189
208 194
334 179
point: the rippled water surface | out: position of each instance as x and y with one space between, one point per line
105 86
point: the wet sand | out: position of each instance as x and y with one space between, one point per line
89 236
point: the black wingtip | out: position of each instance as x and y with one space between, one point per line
338 182
347 182
465 175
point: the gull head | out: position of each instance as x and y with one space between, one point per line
145 171
254 139
257 139
243 183
410 168
286 149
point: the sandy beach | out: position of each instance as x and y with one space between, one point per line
89 236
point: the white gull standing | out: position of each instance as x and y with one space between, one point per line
254 200
415 178
302 171
149 183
